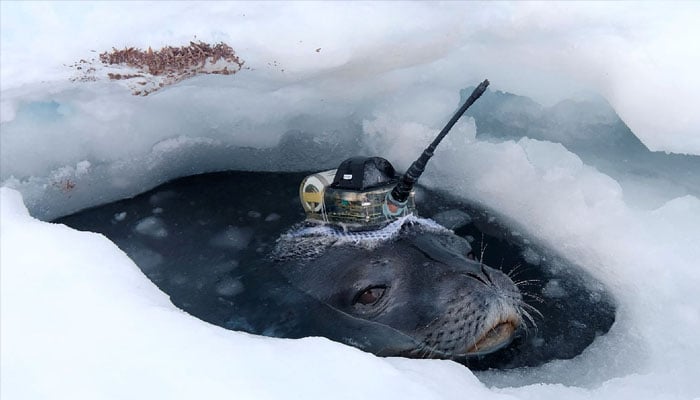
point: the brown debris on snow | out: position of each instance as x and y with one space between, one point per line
152 70
190 59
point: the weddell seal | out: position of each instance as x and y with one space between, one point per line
413 276
365 253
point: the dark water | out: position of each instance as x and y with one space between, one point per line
203 240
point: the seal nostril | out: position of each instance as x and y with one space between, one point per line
477 277
486 274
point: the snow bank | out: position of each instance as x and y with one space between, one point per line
631 53
646 257
80 320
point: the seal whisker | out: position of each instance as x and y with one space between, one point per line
518 270
533 309
527 282
524 324
431 352
432 321
529 318
416 352
486 274
513 270
420 351
483 250
533 297
426 351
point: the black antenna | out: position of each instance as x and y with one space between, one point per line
405 185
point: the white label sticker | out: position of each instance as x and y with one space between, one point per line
347 176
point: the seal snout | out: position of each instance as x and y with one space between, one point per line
503 316
491 315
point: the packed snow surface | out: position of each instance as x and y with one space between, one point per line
323 82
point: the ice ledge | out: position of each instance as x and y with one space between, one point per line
79 320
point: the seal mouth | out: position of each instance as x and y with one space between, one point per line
495 338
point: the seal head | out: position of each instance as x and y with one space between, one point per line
413 276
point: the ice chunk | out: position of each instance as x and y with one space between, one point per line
531 256
229 287
161 197
152 226
147 259
554 289
452 219
228 266
82 168
179 279
272 217
120 216
234 237
254 214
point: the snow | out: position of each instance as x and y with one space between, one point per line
80 320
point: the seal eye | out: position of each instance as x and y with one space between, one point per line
370 296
